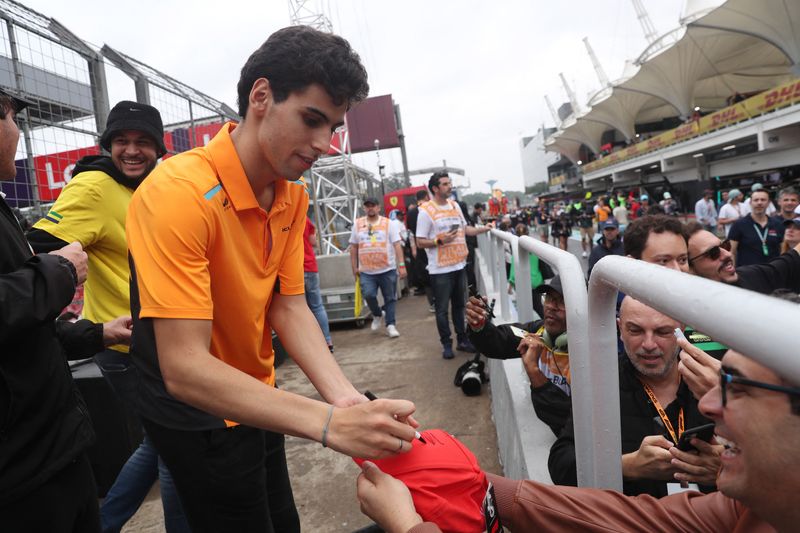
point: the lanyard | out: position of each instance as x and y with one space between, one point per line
763 237
663 414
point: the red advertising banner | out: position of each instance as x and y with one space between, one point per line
53 171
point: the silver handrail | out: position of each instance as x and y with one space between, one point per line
714 308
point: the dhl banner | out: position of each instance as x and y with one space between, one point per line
781 96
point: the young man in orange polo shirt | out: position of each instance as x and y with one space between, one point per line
216 249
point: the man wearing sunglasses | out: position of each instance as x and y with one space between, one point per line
757 417
713 259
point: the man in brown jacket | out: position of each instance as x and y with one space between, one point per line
757 416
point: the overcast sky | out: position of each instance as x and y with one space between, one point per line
470 77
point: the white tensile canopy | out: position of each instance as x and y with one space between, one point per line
739 47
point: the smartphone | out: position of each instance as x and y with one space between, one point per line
455 227
704 433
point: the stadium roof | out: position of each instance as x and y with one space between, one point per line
739 47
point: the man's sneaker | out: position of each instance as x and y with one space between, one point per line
584 254
330 347
391 330
447 352
465 346
376 322
432 308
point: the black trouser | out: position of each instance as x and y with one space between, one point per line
232 479
450 288
65 503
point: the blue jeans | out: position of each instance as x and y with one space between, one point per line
387 282
132 485
450 288
314 301
142 468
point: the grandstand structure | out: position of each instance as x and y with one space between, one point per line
713 102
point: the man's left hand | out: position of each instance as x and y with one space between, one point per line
386 500
118 331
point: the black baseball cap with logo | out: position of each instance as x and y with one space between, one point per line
370 200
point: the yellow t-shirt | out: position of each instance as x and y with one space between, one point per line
91 210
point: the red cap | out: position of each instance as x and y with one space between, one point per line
445 480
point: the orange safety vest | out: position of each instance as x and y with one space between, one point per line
373 245
455 251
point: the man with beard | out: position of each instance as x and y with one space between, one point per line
713 259
656 406
542 344
92 210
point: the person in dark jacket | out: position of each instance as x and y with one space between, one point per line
656 406
609 243
46 482
541 344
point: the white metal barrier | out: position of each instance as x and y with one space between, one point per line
576 301
760 327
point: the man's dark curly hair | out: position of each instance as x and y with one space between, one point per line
298 56
638 231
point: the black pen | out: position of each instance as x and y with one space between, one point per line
371 397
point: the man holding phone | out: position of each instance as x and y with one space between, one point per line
656 408
441 231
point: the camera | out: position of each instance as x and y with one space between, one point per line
471 376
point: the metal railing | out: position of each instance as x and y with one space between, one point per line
714 308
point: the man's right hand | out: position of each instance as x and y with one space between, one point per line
476 313
651 461
447 237
73 252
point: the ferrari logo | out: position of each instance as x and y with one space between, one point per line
393 201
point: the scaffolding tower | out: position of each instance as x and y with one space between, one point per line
337 184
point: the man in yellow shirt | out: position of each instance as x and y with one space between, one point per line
92 210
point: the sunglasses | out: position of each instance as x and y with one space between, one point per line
725 379
714 252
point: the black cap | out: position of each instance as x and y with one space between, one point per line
554 285
18 103
128 115
795 221
610 224
370 200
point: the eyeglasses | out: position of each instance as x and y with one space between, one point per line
553 301
725 379
713 253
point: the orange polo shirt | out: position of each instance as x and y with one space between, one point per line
202 248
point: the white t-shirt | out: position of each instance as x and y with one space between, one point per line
746 208
428 230
379 239
621 215
730 211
